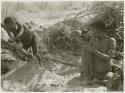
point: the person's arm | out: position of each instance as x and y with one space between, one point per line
19 34
103 56
107 57
8 32
10 35
112 48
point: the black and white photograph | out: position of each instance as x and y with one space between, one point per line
62 46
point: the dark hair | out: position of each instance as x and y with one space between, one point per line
98 24
9 20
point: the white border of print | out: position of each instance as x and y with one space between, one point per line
59 0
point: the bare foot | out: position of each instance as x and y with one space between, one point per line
93 81
84 82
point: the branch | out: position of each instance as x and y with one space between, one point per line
68 16
70 52
81 12
87 10
58 61
86 15
73 53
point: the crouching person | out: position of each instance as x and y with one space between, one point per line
20 34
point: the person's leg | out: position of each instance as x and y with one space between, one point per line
34 49
86 67
95 79
91 70
34 46
84 70
109 76
98 78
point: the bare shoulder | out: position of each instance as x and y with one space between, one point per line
111 39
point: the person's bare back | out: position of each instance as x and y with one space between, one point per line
105 46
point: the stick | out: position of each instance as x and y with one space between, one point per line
62 62
38 58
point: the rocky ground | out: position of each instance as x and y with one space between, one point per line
19 75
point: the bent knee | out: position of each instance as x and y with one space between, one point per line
109 75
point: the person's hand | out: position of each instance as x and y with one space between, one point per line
91 49
30 56
11 40
20 45
85 47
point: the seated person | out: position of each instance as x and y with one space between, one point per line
102 49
